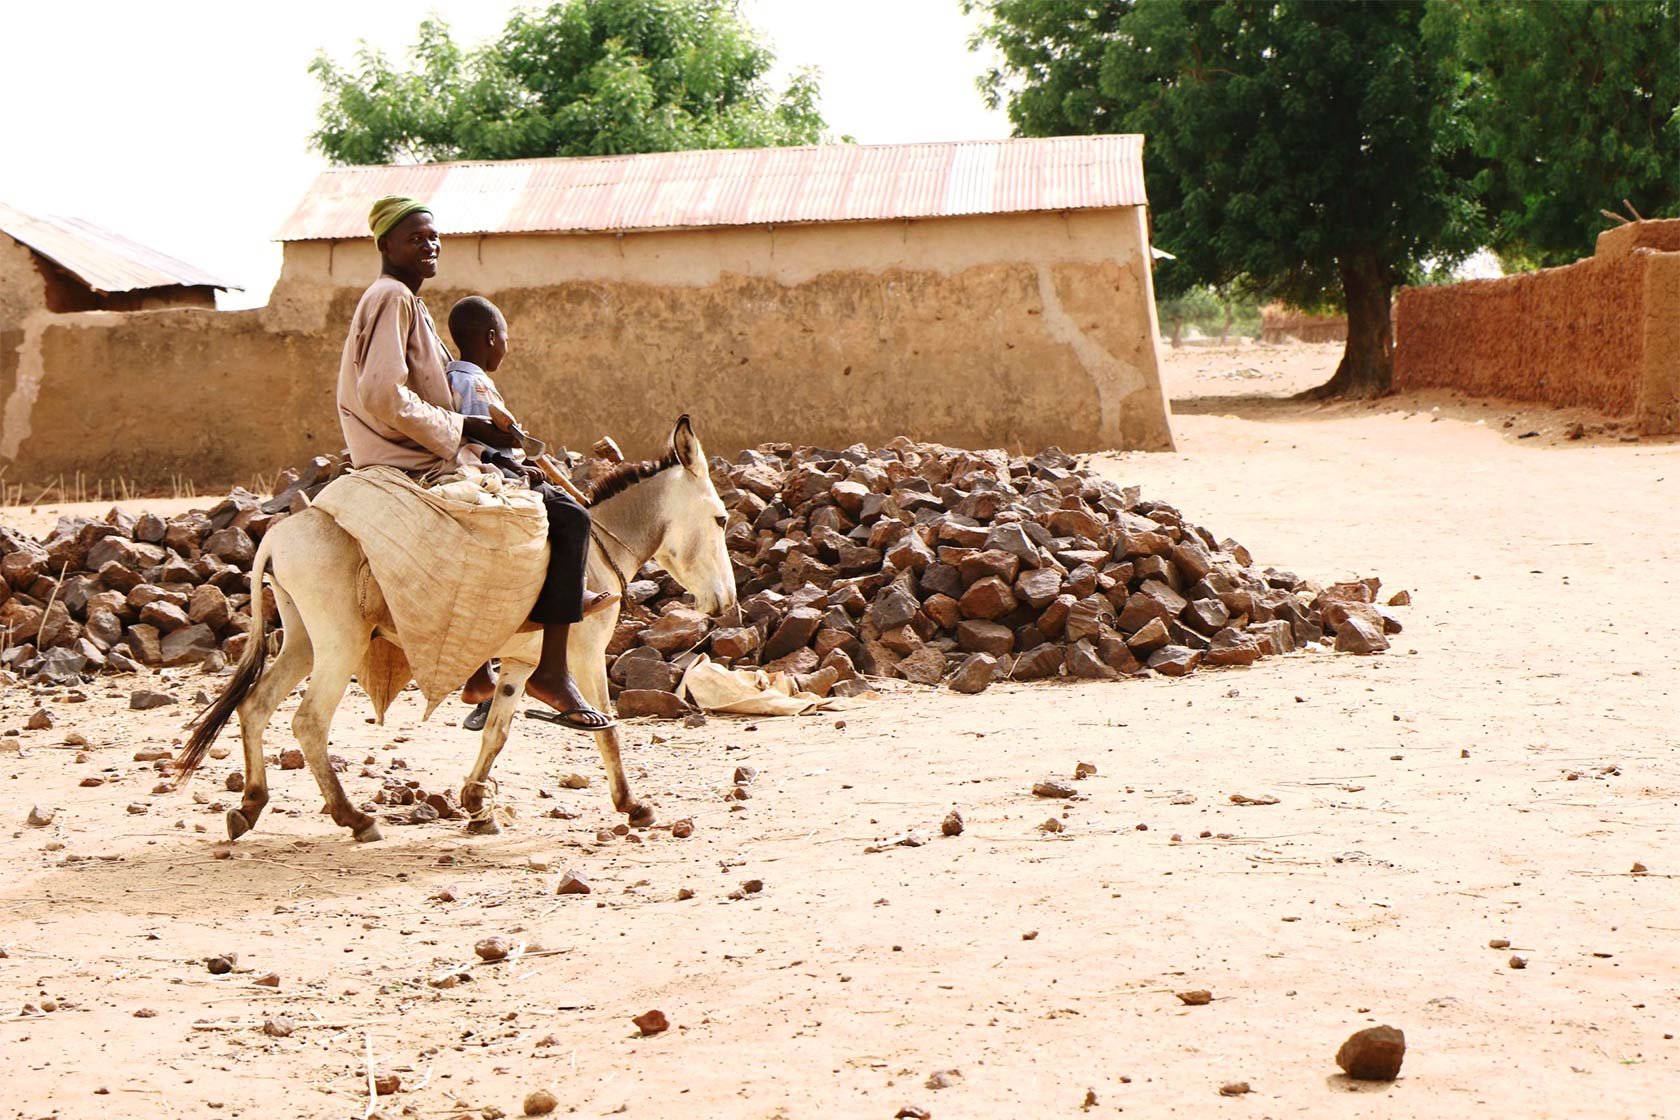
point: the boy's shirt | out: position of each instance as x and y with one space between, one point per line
474 392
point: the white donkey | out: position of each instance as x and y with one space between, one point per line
665 510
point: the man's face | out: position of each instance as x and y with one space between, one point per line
411 247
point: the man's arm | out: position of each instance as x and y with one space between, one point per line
382 385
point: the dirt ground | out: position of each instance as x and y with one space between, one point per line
1495 776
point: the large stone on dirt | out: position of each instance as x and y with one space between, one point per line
145 643
1112 648
1041 661
679 630
188 645
209 604
1274 637
893 607
796 630
734 642
57 627
1175 661
113 550
1206 615
924 666
1054 618
166 616
1150 637
975 674
1233 647
1359 636
1086 617
646 673
1083 661
633 703
231 546
980 636
1373 1054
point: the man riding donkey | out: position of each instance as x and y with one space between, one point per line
397 410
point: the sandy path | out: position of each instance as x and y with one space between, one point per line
1542 576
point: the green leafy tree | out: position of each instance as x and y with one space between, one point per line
1573 107
581 77
1311 152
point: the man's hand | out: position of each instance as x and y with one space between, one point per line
477 429
534 474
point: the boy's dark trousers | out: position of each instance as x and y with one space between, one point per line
561 598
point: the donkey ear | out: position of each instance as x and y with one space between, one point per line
687 446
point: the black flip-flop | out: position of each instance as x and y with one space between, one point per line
569 718
478 717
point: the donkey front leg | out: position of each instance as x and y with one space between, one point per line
510 684
589 669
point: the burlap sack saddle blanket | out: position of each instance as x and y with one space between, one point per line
458 559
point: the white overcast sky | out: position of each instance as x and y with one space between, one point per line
183 124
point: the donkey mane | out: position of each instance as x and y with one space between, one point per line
625 475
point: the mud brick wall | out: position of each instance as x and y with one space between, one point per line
1599 334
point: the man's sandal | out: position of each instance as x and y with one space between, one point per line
477 718
577 719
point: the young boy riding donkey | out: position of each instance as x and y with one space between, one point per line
397 409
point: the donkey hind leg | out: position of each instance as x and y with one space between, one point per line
284 672
589 668
510 685
311 725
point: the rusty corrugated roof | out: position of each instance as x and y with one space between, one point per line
737 187
104 261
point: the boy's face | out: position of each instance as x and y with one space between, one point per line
496 346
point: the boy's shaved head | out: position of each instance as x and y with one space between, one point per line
471 319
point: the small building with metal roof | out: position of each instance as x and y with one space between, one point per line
66 264
986 293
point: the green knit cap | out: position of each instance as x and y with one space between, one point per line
390 210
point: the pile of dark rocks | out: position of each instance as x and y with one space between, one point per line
934 564
127 591
913 561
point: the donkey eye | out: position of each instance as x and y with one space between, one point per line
722 520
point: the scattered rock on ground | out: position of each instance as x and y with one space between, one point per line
1373 1054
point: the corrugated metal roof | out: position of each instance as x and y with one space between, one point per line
104 261
737 187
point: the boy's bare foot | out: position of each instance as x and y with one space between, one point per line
480 687
563 696
596 601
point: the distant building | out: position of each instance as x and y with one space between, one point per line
981 294
984 294
65 264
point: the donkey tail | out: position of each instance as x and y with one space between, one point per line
211 720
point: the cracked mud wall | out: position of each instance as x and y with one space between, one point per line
1017 331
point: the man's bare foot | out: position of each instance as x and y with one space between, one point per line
480 687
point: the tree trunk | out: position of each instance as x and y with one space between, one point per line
1367 366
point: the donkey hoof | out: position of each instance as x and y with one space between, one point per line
483 828
369 833
237 825
642 815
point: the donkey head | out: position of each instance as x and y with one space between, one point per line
692 549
